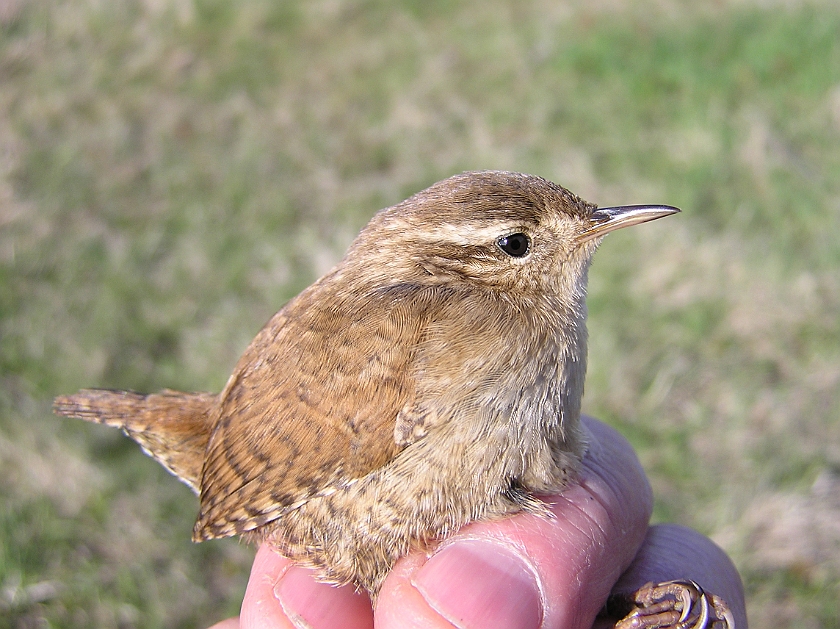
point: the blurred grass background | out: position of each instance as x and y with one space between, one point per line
172 171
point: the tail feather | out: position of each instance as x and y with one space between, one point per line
170 426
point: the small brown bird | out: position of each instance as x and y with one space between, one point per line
432 378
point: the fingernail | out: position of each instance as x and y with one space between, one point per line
476 584
312 605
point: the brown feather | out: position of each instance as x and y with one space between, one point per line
429 380
172 427
276 446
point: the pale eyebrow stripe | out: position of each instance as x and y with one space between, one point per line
461 235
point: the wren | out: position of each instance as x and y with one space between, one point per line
432 378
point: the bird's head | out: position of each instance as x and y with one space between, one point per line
517 235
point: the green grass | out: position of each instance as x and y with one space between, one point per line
172 172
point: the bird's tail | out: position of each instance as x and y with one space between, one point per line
170 426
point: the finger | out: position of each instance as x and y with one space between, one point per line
230 623
528 571
675 552
281 595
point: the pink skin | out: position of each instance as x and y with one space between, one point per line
520 572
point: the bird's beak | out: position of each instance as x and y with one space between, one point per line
607 219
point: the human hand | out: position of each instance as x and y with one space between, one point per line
522 571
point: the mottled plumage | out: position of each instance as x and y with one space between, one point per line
432 378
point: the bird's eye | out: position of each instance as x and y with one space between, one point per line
515 245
